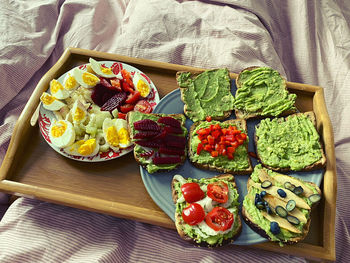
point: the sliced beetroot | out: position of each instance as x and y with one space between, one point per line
166 160
172 129
114 102
149 143
105 82
174 141
100 94
146 125
147 153
146 134
171 151
167 120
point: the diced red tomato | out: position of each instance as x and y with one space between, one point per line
199 148
133 97
127 77
127 88
214 153
121 115
208 118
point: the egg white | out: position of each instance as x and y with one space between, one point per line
123 133
141 85
110 133
57 90
85 79
62 133
69 82
85 148
101 71
78 112
50 102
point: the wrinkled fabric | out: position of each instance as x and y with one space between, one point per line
307 41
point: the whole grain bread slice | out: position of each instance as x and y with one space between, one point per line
242 124
315 166
179 223
242 114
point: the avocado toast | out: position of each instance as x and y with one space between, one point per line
160 140
290 143
220 146
206 94
262 92
207 209
278 207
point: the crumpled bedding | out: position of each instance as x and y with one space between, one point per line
307 41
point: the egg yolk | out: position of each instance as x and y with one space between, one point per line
112 136
55 86
106 70
59 129
123 136
79 114
143 88
90 79
47 99
70 83
87 147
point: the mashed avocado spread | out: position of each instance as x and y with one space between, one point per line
262 92
208 94
291 143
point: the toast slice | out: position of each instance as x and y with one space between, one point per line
239 164
202 234
293 143
262 92
161 147
265 203
206 94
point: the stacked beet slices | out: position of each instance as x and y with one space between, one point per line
162 140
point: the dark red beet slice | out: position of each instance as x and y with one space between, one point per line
172 129
146 125
100 94
171 151
174 141
149 143
147 154
166 160
167 120
114 102
146 134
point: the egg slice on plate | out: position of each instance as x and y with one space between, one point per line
110 133
141 84
50 102
69 82
78 112
62 133
84 148
123 134
85 79
100 70
57 90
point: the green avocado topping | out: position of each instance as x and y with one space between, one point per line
241 158
199 234
151 168
288 143
208 94
263 92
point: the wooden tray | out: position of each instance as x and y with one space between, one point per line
33 169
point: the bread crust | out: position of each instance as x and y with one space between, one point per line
210 167
226 114
137 158
317 165
241 114
178 217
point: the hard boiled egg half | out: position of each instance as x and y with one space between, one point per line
69 82
50 102
78 112
84 148
62 133
85 79
57 90
101 70
115 132
141 84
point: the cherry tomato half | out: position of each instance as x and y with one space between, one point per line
218 191
126 108
193 214
192 192
219 219
143 106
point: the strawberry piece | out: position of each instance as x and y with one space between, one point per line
167 120
146 134
172 129
149 143
146 125
166 160
171 151
114 102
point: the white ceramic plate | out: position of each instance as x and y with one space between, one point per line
158 185
46 117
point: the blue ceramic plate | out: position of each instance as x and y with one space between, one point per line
158 184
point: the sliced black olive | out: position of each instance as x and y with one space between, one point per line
274 228
314 198
293 220
266 184
281 193
281 211
289 186
290 205
262 194
298 190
